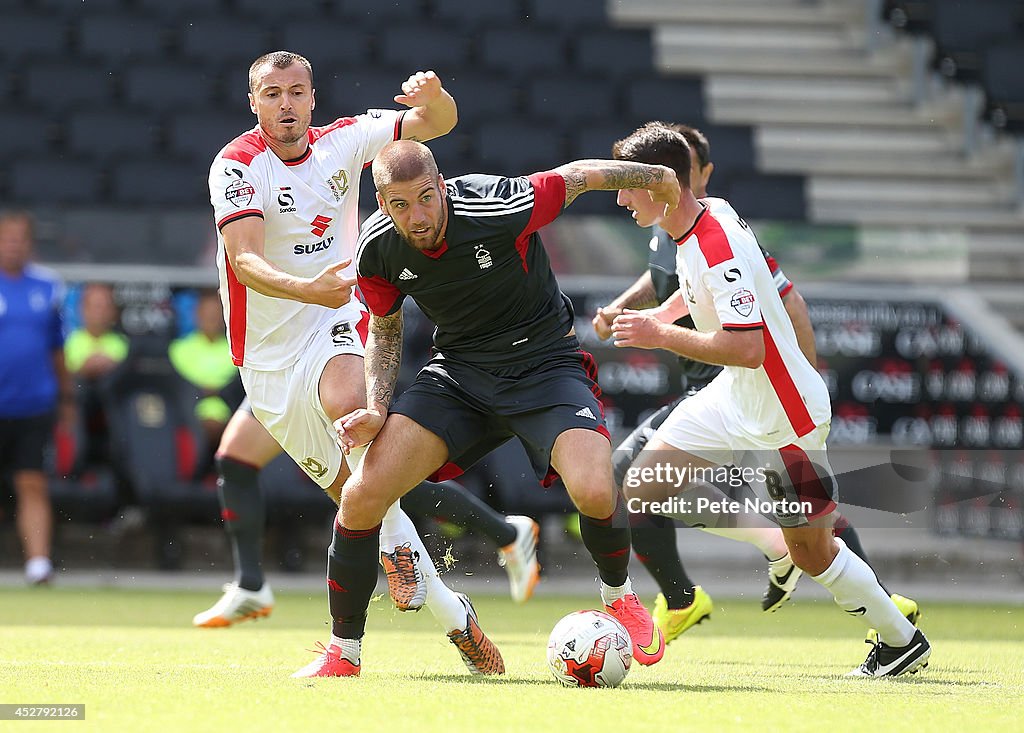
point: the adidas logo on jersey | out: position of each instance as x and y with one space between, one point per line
407 274
585 412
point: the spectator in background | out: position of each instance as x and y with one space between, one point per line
91 353
204 360
94 350
32 380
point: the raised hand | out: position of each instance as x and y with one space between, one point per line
420 89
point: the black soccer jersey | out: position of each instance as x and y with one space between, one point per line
489 288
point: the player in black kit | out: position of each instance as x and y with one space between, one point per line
506 364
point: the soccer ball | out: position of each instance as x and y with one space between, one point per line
589 649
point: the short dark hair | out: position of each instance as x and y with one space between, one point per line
279 60
656 144
402 160
697 140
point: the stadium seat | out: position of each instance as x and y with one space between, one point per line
79 85
197 138
276 11
370 12
224 40
155 437
50 180
32 36
595 140
568 13
614 52
1003 82
665 98
326 45
121 37
168 87
106 133
13 128
418 47
732 150
771 197
79 489
478 15
186 9
65 9
571 99
516 147
160 182
352 91
484 95
455 154
523 51
962 30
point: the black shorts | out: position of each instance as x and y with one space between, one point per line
23 442
474 411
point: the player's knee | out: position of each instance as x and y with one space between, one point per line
812 555
361 508
594 499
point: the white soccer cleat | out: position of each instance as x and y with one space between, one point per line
519 558
236 605
782 578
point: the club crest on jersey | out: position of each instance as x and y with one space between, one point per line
742 302
341 334
239 192
483 257
338 183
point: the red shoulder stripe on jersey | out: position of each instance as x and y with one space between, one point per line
548 199
315 133
713 242
245 147
773 265
742 326
804 477
379 294
236 314
548 202
236 215
785 388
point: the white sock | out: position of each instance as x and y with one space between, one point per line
442 601
38 568
768 540
351 649
393 531
855 588
612 593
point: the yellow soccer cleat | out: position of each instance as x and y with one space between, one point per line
674 621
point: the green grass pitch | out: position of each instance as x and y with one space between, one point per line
134 660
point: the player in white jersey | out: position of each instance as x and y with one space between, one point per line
768 411
285 199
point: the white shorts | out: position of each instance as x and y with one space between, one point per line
287 401
793 472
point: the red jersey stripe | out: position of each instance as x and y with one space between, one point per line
315 133
236 309
785 388
713 241
236 215
245 147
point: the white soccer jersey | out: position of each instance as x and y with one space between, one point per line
728 285
310 208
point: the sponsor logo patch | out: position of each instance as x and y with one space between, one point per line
319 225
742 302
239 193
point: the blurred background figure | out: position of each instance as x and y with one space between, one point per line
32 380
203 359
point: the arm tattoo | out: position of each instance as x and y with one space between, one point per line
607 175
383 357
643 297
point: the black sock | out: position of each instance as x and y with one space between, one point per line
244 513
453 503
654 541
351 578
845 531
607 540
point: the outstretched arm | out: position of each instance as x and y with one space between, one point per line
382 360
433 110
612 175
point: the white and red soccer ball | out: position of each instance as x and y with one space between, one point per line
589 649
